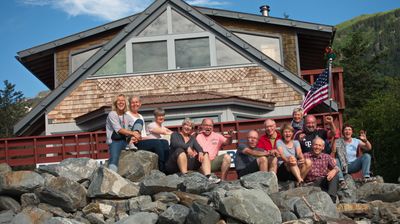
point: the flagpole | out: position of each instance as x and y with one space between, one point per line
329 85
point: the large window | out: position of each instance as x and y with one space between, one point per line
77 59
172 41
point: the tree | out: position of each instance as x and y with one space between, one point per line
12 108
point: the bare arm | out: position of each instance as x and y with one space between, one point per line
254 153
332 132
364 143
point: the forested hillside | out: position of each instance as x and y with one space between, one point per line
368 49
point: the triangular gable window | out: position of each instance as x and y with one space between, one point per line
116 65
170 42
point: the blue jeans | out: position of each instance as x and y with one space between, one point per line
159 147
340 173
115 151
362 163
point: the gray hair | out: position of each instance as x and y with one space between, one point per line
318 138
159 112
188 122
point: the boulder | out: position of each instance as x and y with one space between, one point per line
135 165
61 220
348 195
4 168
6 216
9 203
249 206
321 204
187 199
157 182
140 217
31 215
196 183
285 200
229 185
64 193
262 180
95 218
386 212
108 184
120 206
19 182
54 210
136 204
29 199
355 210
288 216
76 169
95 207
156 207
202 214
379 191
166 197
175 214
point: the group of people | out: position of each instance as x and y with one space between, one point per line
299 151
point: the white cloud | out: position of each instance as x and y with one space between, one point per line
107 9
103 9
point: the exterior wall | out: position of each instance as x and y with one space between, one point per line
250 82
63 54
288 36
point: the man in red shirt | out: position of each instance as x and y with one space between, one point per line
268 143
323 171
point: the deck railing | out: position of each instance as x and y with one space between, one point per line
34 150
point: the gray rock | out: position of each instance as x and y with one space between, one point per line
61 220
166 197
108 184
156 207
95 207
302 221
288 216
187 199
285 200
95 218
157 182
202 214
31 215
19 182
262 180
120 206
29 199
379 191
196 183
64 193
136 204
76 169
348 195
9 203
140 217
229 185
321 204
135 165
54 210
4 168
176 214
249 206
6 216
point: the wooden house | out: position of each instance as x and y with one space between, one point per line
192 61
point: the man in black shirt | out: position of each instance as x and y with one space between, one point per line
311 131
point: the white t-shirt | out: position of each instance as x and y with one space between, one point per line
132 121
150 133
351 149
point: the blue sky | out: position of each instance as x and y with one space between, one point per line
28 23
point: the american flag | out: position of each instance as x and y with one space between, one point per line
318 93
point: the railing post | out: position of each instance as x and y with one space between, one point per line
90 145
6 152
76 146
35 151
62 148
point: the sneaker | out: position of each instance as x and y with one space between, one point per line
370 179
213 180
343 185
131 147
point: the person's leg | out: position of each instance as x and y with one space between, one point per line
226 163
206 165
366 165
165 146
182 162
262 163
171 166
154 145
250 168
273 164
355 166
115 151
340 174
333 187
305 168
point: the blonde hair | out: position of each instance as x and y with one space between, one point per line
298 110
133 97
114 104
188 122
287 127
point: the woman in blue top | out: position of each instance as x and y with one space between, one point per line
292 165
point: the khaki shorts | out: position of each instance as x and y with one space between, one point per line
216 163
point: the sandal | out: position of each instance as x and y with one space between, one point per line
343 185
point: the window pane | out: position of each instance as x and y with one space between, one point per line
191 53
78 59
157 27
268 45
150 56
228 56
116 65
182 25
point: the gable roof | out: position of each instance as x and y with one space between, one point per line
312 39
142 20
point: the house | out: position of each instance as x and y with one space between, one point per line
194 62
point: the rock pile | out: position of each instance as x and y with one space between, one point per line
82 191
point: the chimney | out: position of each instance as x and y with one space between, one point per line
264 9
